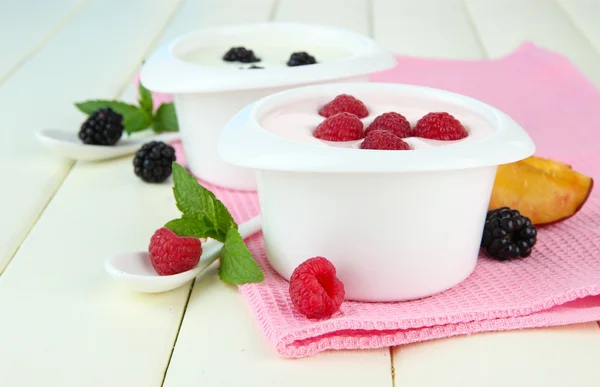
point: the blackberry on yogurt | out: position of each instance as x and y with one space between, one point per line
240 54
300 59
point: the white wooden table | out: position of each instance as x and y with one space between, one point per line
64 323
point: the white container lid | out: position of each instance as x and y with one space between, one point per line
244 142
169 69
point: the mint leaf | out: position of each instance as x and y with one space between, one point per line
237 266
188 227
145 99
165 119
196 202
88 107
135 119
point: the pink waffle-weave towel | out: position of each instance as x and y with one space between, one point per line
559 284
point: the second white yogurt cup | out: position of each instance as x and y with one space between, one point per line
208 91
398 225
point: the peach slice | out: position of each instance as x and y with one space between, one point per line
544 190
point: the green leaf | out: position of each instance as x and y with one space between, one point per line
165 119
237 265
145 99
137 122
88 107
135 119
196 202
189 227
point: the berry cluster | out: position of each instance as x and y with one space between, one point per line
343 123
173 254
240 54
300 59
508 235
153 162
102 127
244 55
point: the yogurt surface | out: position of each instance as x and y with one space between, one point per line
271 55
298 121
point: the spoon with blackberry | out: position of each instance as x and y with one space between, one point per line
99 138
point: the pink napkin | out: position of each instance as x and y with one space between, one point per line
559 284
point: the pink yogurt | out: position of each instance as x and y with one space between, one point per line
297 122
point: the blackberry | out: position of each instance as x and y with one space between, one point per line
507 234
240 54
153 162
300 59
102 127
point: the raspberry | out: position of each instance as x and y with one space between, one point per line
344 103
340 127
300 59
171 254
102 127
240 54
440 126
153 162
392 122
315 290
383 140
507 234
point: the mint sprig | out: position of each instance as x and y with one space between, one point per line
205 216
165 119
137 118
237 265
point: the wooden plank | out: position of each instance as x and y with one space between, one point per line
565 356
63 321
504 25
220 343
207 13
352 14
85 59
24 31
585 15
426 28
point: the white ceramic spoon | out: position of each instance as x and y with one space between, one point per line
68 145
135 271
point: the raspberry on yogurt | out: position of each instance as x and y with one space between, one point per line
340 127
383 140
440 126
344 103
392 122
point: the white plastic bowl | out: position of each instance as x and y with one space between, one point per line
398 225
207 95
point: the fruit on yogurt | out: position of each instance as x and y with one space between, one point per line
383 140
301 59
344 103
315 289
240 54
172 254
340 127
393 122
508 234
440 126
544 190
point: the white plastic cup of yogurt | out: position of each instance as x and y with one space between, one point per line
397 225
207 90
